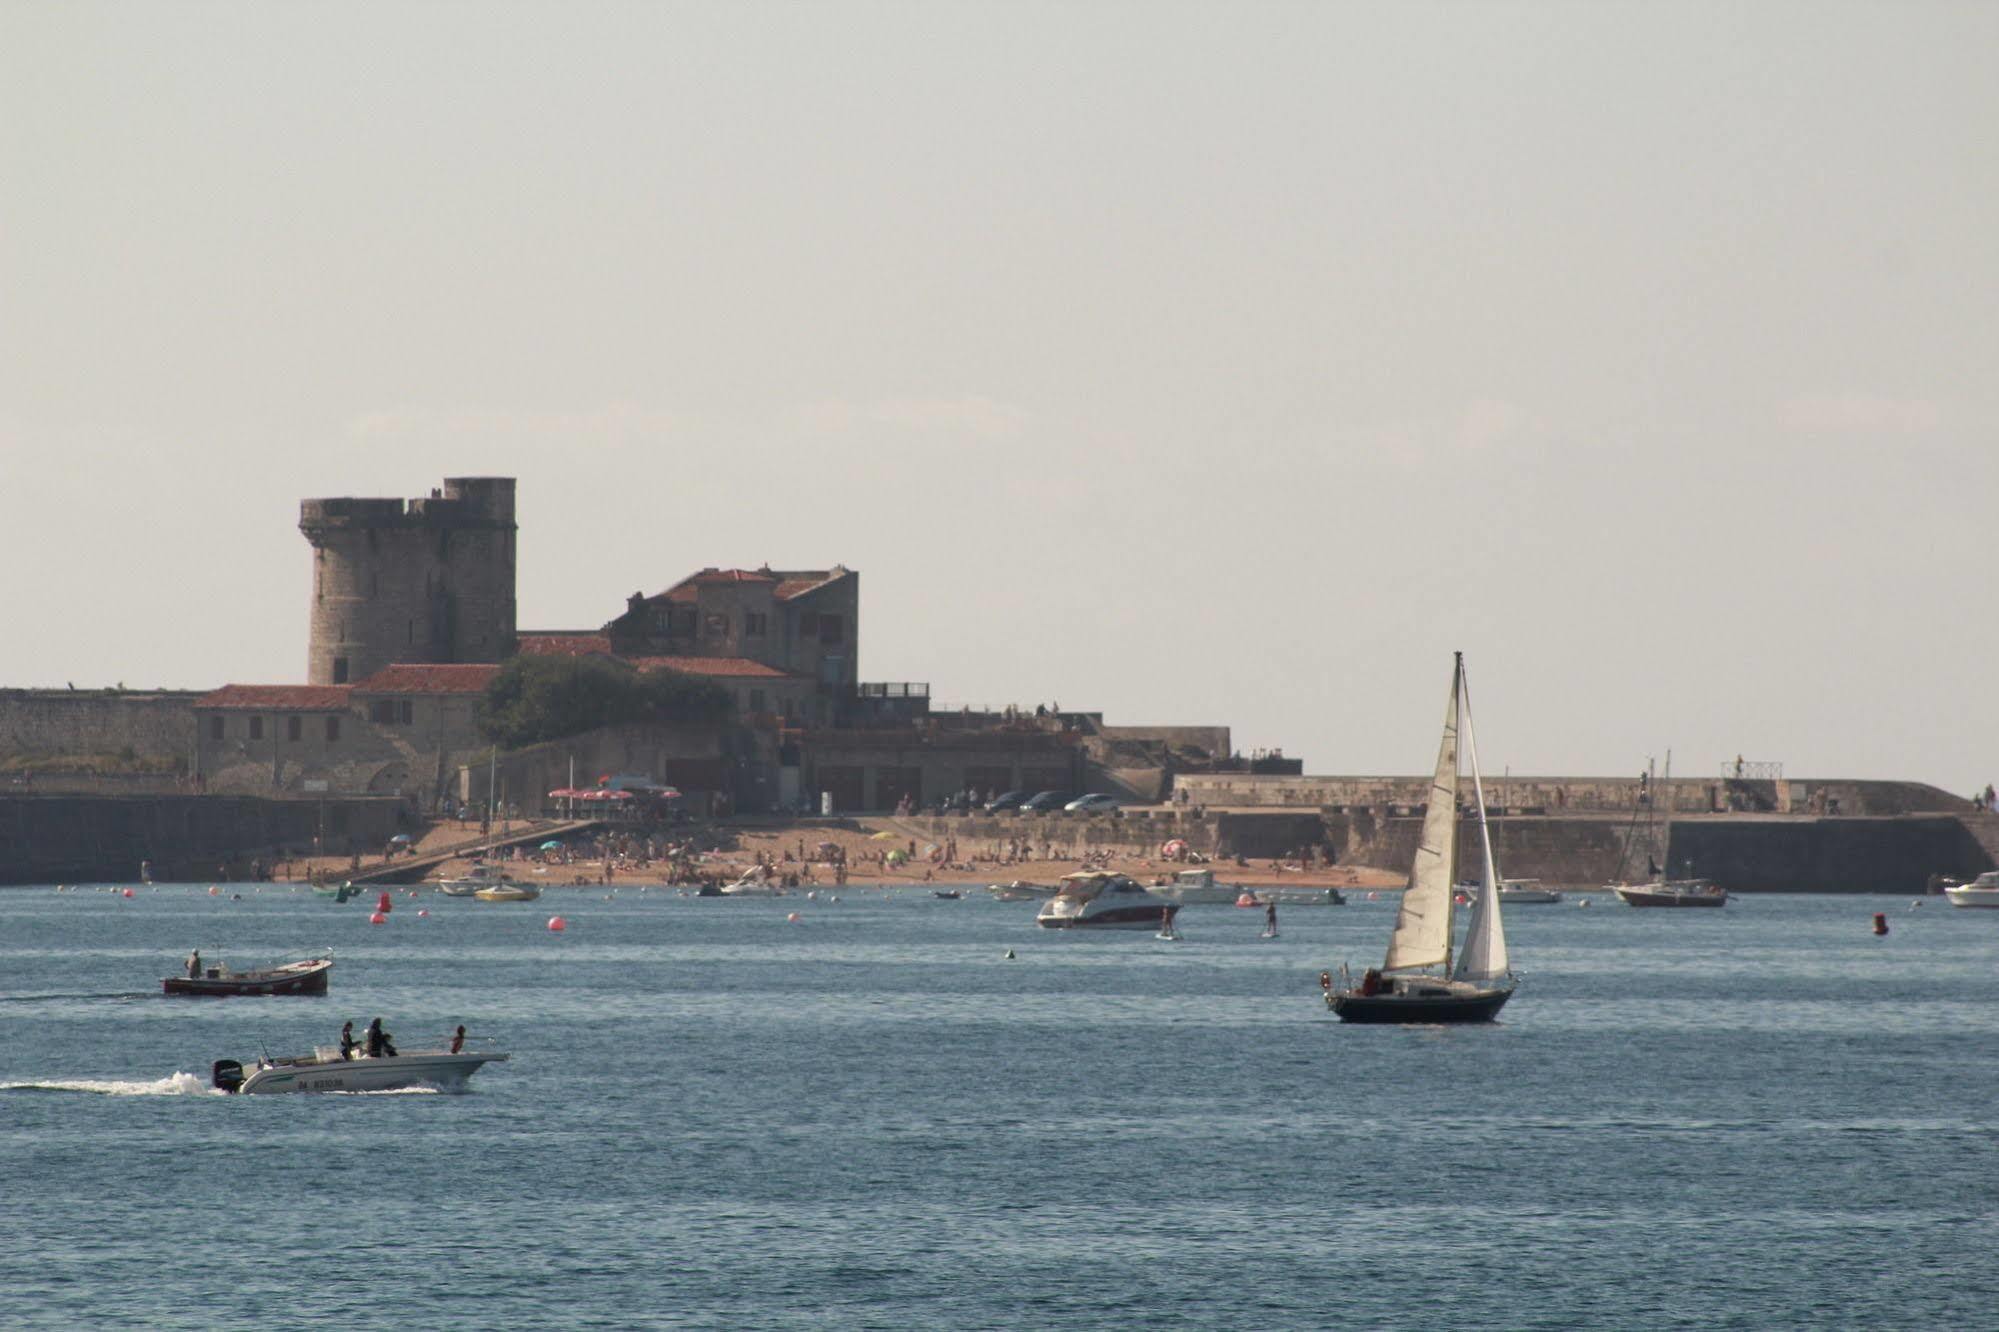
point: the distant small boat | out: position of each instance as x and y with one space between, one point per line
1020 890
1673 893
304 977
948 894
1982 891
1528 892
508 892
339 892
469 883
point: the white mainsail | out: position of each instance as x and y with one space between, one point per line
1484 955
1422 935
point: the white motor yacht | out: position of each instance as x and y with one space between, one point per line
1197 887
1982 891
1527 891
1098 899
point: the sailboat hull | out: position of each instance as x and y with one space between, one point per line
1422 1002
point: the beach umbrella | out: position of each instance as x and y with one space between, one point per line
897 857
1176 847
886 836
400 837
551 846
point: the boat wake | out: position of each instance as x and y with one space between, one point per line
45 998
176 1084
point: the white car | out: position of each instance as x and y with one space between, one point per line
1094 803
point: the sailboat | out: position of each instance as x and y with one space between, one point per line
1661 891
1421 979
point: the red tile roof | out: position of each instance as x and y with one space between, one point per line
729 666
270 698
787 583
561 644
429 678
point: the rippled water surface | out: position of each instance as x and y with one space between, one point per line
873 1117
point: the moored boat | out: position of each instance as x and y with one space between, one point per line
308 976
1020 890
1421 980
1982 891
1098 899
1673 893
472 880
1528 892
508 892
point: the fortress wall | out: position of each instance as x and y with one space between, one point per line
99 839
68 722
1688 795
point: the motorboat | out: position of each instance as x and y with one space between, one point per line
324 1070
1426 976
1020 890
1527 892
1673 893
1101 900
754 883
471 881
1299 895
511 890
308 976
1982 891
338 892
1196 887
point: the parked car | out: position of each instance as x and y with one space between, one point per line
1094 803
1006 800
1041 802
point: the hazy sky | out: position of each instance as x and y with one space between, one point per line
1196 363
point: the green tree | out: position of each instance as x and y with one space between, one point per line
544 698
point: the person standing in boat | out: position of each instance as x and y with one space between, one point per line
458 1040
194 965
379 1043
346 1040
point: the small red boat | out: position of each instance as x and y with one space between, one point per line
304 977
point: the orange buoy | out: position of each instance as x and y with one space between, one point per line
557 924
1880 922
378 918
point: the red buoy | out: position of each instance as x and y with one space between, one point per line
378 918
383 904
557 924
1880 922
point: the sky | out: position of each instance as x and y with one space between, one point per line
1191 363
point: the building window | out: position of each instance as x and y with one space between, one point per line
753 624
333 728
829 628
382 711
340 670
685 621
294 727
256 728
662 622
408 712
215 728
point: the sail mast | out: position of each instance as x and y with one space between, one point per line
1484 956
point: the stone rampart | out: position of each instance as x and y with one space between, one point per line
50 722
1557 795
98 839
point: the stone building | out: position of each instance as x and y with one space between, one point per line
427 580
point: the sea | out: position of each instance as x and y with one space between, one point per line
886 1109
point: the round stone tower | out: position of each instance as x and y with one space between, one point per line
427 580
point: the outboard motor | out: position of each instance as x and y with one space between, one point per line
227 1075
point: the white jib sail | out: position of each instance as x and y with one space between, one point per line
1422 935
1484 955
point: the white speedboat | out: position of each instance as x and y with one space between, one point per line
754 884
481 876
1982 891
510 891
1197 887
1527 891
1100 900
1020 890
325 1071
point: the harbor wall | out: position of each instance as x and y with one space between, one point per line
42 723
103 839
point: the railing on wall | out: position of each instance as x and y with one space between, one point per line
1741 770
